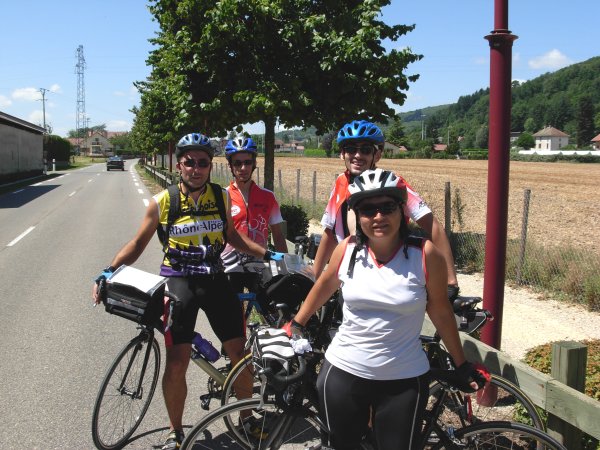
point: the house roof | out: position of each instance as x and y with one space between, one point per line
550 132
439 147
596 139
20 123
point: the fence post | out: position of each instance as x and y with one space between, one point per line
448 209
297 186
314 187
527 196
280 183
569 360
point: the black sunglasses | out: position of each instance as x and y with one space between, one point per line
202 163
246 162
364 149
383 208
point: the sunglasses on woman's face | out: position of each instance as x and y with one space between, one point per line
371 210
364 149
237 163
202 163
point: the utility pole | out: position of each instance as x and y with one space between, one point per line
423 130
43 99
80 113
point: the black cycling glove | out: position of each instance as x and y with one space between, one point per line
453 291
467 373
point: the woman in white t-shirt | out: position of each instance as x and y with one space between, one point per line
375 362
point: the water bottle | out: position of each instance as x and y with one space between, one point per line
203 347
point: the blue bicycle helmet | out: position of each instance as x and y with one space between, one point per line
238 145
194 141
360 130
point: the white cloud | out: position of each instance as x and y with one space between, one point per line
55 88
37 117
27 94
482 60
554 59
119 94
118 125
5 101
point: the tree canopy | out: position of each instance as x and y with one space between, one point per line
301 63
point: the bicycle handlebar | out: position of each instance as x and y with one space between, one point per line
280 382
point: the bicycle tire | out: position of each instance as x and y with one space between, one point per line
220 429
116 413
502 435
511 405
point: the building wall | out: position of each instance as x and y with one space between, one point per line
21 152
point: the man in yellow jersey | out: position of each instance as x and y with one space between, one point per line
193 245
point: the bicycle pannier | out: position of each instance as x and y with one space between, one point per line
136 295
291 289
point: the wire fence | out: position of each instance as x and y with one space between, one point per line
544 252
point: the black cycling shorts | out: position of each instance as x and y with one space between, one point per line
349 403
214 295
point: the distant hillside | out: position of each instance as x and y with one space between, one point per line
561 99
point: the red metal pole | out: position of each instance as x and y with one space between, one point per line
500 41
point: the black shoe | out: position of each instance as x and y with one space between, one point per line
174 440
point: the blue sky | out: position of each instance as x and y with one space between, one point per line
39 41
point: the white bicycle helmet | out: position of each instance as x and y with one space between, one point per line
372 183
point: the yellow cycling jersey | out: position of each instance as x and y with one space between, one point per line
196 238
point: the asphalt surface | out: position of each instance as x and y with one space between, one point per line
55 237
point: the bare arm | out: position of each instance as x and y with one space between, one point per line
278 238
438 306
436 232
326 247
131 251
323 289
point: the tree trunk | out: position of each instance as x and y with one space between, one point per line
269 171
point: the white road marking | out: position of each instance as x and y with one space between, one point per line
20 190
72 193
21 236
141 191
146 202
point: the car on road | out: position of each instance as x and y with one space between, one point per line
115 162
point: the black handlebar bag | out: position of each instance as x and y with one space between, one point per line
136 295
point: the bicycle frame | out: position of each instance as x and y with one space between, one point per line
137 394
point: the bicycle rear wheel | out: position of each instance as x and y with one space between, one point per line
294 429
500 400
503 435
126 392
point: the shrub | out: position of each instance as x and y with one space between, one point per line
297 221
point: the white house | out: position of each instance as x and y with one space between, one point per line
550 138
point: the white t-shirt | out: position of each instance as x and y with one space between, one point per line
384 309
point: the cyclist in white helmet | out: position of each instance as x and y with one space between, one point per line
375 368
361 145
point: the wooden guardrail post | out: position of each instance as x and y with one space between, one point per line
569 360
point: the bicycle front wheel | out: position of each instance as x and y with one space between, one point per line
503 435
269 428
125 393
500 400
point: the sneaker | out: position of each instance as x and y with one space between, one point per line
254 428
174 440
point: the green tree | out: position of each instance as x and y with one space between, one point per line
57 148
395 133
585 121
481 137
121 143
525 140
296 62
530 125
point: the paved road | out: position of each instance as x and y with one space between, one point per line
55 236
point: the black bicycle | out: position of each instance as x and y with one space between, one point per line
289 420
130 381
